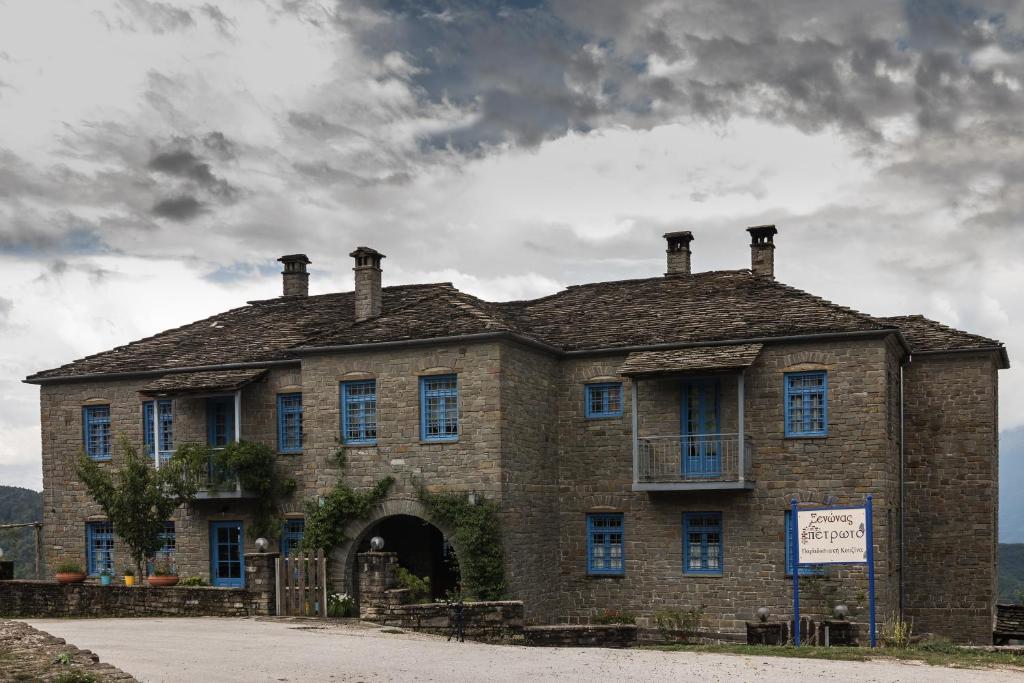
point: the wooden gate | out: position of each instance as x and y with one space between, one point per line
301 581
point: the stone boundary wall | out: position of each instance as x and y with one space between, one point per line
486 621
574 635
23 599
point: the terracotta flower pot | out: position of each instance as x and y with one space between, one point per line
70 577
168 580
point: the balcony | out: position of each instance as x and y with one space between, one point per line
693 462
220 483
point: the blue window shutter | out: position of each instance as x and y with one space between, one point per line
606 554
703 543
439 408
96 431
289 423
291 535
602 400
99 547
147 427
359 412
806 403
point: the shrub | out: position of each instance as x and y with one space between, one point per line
193 581
341 605
326 521
679 625
128 571
69 567
419 588
895 632
476 536
613 616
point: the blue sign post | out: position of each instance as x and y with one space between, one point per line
826 536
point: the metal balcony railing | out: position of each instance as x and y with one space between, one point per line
698 459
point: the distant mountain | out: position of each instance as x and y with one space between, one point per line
1011 571
1011 483
20 505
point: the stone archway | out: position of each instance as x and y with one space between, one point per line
358 533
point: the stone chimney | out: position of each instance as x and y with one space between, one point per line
678 252
762 250
368 294
294 276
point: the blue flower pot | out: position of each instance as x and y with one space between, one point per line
104 580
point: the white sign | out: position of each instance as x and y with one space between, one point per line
832 536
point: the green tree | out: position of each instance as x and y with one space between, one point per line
138 498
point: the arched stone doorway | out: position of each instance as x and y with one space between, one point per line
423 546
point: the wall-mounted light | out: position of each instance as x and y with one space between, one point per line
262 544
376 544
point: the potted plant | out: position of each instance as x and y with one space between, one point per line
105 577
70 572
129 576
165 573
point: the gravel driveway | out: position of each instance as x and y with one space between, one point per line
212 649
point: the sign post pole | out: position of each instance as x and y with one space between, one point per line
794 551
871 568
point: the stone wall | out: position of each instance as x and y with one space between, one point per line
597 635
39 599
529 465
381 602
952 470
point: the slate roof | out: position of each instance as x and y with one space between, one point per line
703 307
722 357
924 335
202 382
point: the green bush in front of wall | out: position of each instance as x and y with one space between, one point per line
476 535
255 466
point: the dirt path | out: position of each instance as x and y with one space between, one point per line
211 649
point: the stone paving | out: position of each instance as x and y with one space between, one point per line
27 654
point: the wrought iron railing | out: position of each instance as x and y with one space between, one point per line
692 458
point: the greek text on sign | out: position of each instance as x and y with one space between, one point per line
832 535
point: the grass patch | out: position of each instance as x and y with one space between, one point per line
937 654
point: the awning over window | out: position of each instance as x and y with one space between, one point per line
203 382
731 357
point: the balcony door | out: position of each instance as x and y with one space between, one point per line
701 440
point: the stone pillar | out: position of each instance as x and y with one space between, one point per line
376 578
678 252
260 579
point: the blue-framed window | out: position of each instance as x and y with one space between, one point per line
603 400
359 412
807 403
96 431
291 535
439 408
166 427
168 539
99 547
813 570
220 416
702 543
289 423
605 547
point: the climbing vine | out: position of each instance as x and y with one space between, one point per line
477 537
254 464
326 521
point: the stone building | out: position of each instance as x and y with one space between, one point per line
643 438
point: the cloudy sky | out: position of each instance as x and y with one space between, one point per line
156 157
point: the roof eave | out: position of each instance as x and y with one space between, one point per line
1004 357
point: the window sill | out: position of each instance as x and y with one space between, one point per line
438 441
289 452
712 575
589 418
606 576
806 436
356 444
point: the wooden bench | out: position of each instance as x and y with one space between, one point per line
1009 624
